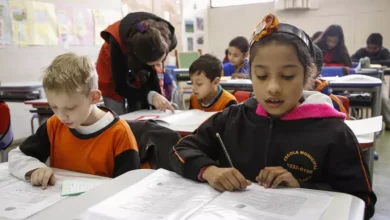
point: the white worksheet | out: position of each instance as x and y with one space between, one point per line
258 203
21 200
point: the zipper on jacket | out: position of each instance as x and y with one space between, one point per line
268 142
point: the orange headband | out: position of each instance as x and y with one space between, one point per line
266 27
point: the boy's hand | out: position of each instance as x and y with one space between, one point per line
223 179
43 177
161 103
274 176
238 76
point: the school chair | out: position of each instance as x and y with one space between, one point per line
345 102
154 143
242 96
6 135
185 59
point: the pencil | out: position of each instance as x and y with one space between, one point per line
224 150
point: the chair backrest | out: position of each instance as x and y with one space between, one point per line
185 59
242 96
345 104
6 135
154 143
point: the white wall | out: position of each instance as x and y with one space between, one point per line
358 18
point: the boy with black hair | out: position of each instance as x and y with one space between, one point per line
237 53
208 95
374 50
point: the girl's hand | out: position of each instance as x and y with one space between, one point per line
223 179
271 177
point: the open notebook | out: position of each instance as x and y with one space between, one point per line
184 121
166 195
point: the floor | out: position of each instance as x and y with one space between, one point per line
382 178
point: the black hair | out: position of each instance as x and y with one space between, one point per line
341 54
208 64
319 59
149 44
241 43
226 52
316 35
376 39
303 52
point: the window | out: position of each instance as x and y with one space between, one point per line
225 3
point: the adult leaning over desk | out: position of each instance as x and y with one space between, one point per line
134 47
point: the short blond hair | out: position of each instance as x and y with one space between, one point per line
70 73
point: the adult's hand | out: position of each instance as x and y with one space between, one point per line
161 103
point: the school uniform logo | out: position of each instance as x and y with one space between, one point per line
301 164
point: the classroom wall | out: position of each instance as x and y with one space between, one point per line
358 18
26 64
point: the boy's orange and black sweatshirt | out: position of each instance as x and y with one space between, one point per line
110 151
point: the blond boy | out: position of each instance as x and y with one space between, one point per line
79 136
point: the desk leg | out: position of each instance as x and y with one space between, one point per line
376 111
377 102
368 156
4 155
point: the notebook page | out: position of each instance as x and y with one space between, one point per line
258 203
161 195
191 117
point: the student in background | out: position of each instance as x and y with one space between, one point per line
238 64
316 35
332 44
285 135
226 58
208 95
134 47
323 85
373 50
380 55
79 136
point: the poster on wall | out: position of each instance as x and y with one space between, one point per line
5 23
199 24
189 26
200 41
190 43
83 29
75 26
44 23
20 26
103 18
64 25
